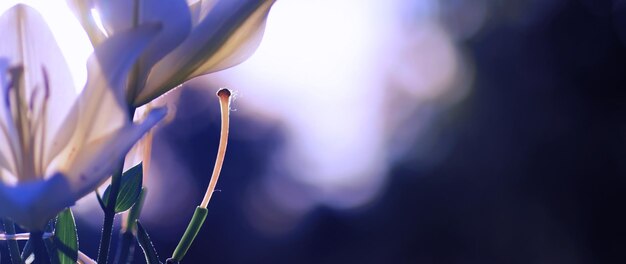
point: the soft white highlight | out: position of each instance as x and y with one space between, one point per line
68 33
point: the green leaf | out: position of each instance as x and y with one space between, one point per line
66 238
50 243
146 245
130 189
126 246
52 250
135 211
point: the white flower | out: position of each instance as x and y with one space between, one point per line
55 145
204 37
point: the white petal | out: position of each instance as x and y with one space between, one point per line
82 11
6 158
27 40
228 35
102 107
200 9
32 204
173 15
98 160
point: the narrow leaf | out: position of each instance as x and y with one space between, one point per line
28 250
66 238
14 249
50 243
135 211
146 245
52 250
130 189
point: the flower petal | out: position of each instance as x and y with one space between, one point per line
82 11
6 157
32 204
173 15
200 9
97 161
227 36
27 41
102 107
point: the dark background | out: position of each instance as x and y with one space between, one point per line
536 173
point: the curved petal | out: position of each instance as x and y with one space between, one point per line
228 35
200 9
102 107
82 11
32 204
27 41
98 161
6 158
119 15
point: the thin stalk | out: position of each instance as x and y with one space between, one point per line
109 217
197 220
109 212
126 244
224 96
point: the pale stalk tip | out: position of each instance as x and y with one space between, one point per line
224 93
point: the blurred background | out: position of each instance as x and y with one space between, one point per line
404 131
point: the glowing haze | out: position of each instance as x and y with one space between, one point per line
68 33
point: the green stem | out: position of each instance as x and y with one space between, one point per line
190 234
126 245
14 248
109 216
109 212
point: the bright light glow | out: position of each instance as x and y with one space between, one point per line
69 34
96 17
327 69
317 69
